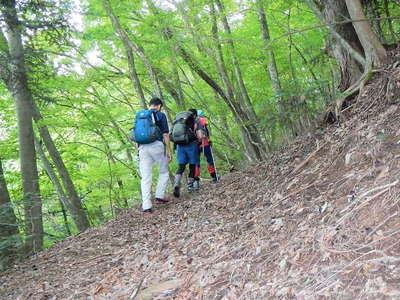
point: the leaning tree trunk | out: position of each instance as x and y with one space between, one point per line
129 52
73 204
175 73
247 131
248 107
246 123
131 47
18 86
8 225
177 92
375 53
252 139
54 180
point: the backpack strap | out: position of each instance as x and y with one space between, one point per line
155 119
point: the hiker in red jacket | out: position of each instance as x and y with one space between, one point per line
205 149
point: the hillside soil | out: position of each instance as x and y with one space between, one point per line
318 219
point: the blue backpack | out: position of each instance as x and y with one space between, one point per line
145 128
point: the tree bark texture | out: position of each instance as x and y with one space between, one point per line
18 86
8 225
334 11
375 53
73 204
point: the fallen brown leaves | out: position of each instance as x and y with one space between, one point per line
323 225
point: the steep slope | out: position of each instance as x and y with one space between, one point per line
318 219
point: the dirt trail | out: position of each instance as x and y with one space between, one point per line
320 218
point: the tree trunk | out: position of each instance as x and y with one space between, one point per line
54 180
73 204
252 140
120 133
150 68
184 12
219 57
170 88
247 105
271 63
133 46
175 73
247 129
129 52
345 46
295 81
335 9
246 123
18 86
8 225
374 52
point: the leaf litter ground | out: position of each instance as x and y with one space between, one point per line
318 220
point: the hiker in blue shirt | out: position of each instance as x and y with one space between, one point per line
152 135
186 134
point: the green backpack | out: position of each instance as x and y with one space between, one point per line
182 132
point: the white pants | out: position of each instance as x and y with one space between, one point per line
148 155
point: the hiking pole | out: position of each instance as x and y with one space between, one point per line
215 165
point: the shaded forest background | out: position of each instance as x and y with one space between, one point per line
74 73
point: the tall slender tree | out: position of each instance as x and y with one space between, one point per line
55 181
129 52
244 95
17 84
73 202
271 63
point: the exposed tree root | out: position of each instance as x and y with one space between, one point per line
334 111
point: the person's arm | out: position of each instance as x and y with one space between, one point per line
167 145
200 135
200 132
165 133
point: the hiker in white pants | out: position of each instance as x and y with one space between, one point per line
151 132
148 155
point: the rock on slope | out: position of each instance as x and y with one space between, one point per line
320 219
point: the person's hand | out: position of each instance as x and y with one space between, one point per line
169 157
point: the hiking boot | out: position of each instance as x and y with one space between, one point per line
196 185
177 191
177 185
160 201
148 212
190 185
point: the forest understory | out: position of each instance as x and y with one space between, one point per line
318 219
